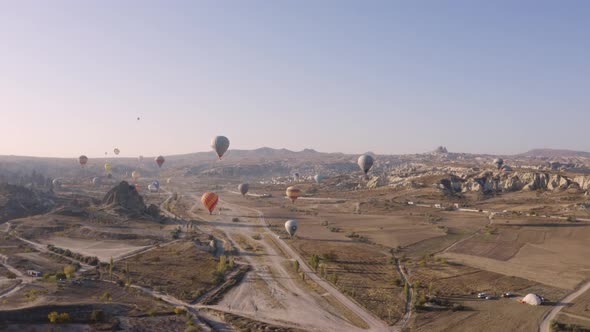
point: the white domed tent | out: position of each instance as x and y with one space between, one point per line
532 299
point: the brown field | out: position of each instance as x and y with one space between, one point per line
364 270
558 249
580 307
178 269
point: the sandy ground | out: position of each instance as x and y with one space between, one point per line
104 250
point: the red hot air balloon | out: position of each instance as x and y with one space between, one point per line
160 161
210 200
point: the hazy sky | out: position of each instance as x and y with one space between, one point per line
351 76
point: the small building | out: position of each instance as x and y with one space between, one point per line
33 273
438 206
410 203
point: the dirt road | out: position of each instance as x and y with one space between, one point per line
546 324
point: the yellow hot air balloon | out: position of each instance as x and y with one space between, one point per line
108 167
293 193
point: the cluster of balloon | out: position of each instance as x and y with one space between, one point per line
160 161
318 178
210 200
243 188
291 227
293 193
220 144
499 162
365 162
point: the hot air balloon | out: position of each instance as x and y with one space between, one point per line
243 188
210 200
291 227
96 181
169 180
296 176
135 175
117 151
293 193
109 176
83 160
365 162
499 162
318 178
56 183
160 161
220 144
108 167
152 188
156 184
138 118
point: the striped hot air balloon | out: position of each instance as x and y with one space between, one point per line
210 200
293 193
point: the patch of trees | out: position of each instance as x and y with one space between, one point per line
90 260
557 326
57 318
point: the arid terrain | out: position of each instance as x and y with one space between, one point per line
411 248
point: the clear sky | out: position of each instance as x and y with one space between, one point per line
350 76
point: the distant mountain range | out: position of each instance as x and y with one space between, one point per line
555 153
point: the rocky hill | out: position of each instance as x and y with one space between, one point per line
124 198
18 202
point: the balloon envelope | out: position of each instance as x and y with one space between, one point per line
319 178
156 184
108 167
160 161
56 183
83 160
96 181
152 188
117 151
293 193
210 200
243 188
135 175
291 227
220 144
365 162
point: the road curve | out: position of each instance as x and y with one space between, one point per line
546 324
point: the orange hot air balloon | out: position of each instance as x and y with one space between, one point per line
210 200
293 193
